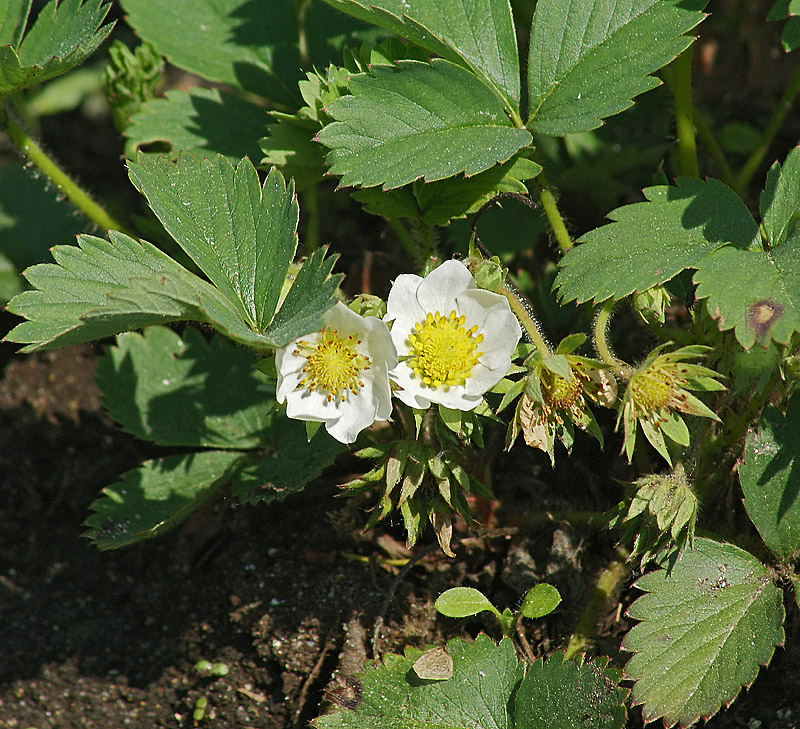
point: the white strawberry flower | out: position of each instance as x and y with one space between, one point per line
454 340
339 375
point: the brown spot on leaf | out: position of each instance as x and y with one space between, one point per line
658 271
762 316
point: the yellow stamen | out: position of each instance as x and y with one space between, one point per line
443 353
333 365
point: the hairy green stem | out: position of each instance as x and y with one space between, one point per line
601 342
684 122
404 237
525 315
754 160
553 215
607 584
65 184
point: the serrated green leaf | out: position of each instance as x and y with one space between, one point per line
32 219
100 288
559 694
479 34
242 235
417 120
157 496
589 58
651 242
462 602
780 201
294 461
442 202
290 147
478 695
327 31
540 600
13 16
180 390
234 42
790 37
771 480
64 35
202 122
706 627
757 293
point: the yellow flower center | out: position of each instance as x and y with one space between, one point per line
442 351
652 389
333 365
559 393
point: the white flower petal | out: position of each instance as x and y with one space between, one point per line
451 287
344 419
439 288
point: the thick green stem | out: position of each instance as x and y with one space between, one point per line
65 184
754 160
525 316
553 215
684 122
601 343
607 584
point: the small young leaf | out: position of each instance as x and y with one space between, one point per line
479 694
157 496
202 122
64 35
755 292
234 42
462 602
650 242
588 59
184 391
563 694
707 625
540 600
479 34
771 480
417 120
780 201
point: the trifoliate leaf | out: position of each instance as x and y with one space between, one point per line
479 34
203 122
234 42
417 120
64 35
771 480
780 201
588 58
242 235
564 694
477 696
651 242
707 625
157 496
462 602
754 292
293 461
180 390
32 219
99 288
